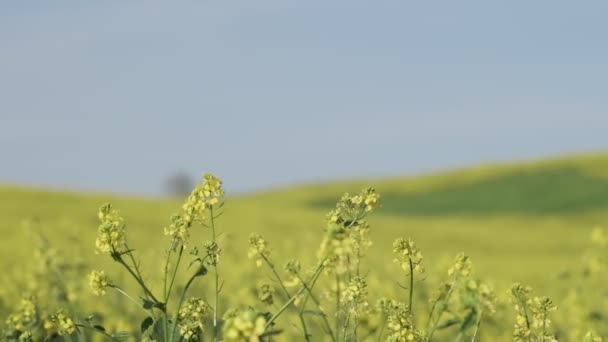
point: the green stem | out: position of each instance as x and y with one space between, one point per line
293 298
216 276
409 309
142 284
318 304
477 326
337 304
287 294
179 259
121 291
179 305
447 297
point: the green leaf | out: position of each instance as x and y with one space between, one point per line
100 328
121 335
202 270
448 323
147 323
469 321
148 304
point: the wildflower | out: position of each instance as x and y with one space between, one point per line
212 250
265 293
532 319
62 322
408 255
191 317
111 231
25 315
370 199
178 230
292 268
26 336
246 325
98 281
462 266
258 248
355 296
400 324
347 233
356 290
207 194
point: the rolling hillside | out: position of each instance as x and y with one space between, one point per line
525 222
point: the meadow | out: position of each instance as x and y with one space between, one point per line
532 223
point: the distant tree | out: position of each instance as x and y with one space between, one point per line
179 184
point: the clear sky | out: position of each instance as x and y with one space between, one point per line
117 95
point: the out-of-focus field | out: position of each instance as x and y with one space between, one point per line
525 222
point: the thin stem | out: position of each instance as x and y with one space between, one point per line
318 304
477 326
141 283
285 306
447 297
293 298
276 274
217 281
181 301
166 276
121 291
179 259
338 304
409 309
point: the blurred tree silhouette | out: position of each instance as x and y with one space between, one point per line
179 184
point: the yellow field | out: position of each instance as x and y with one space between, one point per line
527 223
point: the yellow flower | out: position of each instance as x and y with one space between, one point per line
191 317
98 281
246 326
111 231
258 248
63 323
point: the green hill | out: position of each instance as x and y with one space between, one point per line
525 222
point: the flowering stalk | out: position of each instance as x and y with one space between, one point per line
216 280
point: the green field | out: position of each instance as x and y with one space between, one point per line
527 222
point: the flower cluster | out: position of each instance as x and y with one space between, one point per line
481 296
462 266
111 231
178 230
355 296
212 253
25 315
62 323
408 256
265 293
98 281
400 323
532 322
246 326
191 317
26 336
347 232
206 194
258 248
292 268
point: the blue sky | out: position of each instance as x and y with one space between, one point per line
115 96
